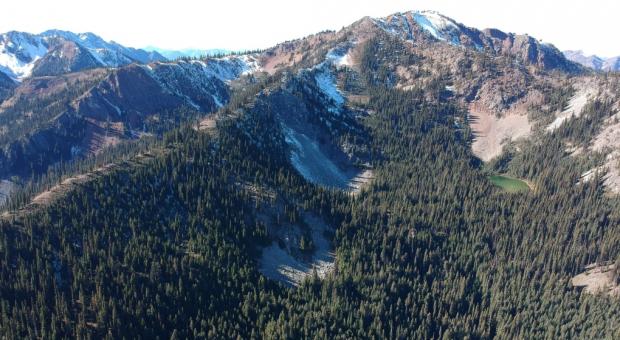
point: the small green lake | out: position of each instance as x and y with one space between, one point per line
509 184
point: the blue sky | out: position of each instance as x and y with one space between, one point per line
591 25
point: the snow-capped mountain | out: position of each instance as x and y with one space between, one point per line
435 24
19 52
422 25
593 61
108 53
56 52
134 95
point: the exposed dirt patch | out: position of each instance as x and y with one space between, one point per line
208 123
360 181
100 135
258 194
357 99
598 280
607 141
611 170
611 180
48 196
492 132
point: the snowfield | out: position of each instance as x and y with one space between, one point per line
339 57
435 24
19 52
327 84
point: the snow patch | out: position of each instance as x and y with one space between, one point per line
397 25
326 82
339 57
229 68
209 75
437 25
251 64
384 25
19 53
217 101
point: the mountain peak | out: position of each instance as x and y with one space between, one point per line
593 61
22 53
434 27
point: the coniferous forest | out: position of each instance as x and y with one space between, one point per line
167 246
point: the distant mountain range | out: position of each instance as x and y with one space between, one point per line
188 52
63 116
593 61
56 52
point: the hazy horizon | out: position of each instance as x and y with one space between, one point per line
238 25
